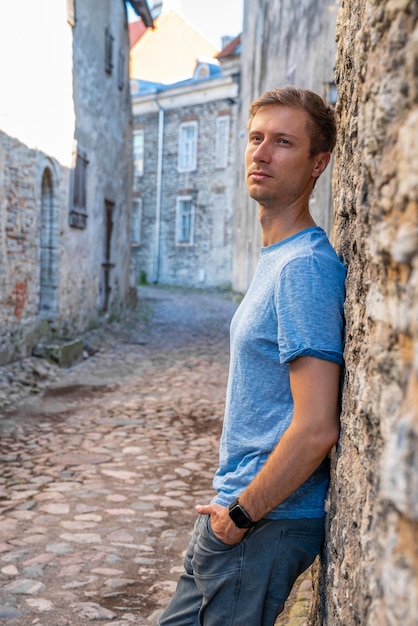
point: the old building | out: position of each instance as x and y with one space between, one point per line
156 54
283 42
65 167
184 175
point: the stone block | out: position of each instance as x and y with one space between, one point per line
63 353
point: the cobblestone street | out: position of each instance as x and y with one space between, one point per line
102 467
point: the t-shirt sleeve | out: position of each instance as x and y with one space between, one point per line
309 305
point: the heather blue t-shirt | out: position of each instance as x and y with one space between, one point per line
293 307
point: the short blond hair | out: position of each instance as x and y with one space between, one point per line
321 127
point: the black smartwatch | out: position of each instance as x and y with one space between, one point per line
239 515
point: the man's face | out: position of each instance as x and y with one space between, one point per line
279 168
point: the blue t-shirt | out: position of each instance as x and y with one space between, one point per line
293 307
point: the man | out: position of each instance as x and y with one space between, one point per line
266 524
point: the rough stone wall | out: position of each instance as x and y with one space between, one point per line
208 262
283 42
370 574
21 170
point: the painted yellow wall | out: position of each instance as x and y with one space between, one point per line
169 52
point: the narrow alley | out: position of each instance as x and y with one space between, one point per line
99 473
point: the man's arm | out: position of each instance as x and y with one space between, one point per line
312 433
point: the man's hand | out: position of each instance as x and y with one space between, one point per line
222 525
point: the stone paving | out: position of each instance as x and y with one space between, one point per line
100 472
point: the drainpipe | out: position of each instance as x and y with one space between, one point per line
157 250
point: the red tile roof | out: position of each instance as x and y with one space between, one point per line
230 47
136 30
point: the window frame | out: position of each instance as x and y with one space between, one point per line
181 201
138 155
187 147
121 70
108 60
136 221
78 211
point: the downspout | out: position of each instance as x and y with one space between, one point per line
157 247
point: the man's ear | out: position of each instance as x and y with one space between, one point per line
321 161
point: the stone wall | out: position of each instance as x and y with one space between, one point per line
371 560
104 132
21 172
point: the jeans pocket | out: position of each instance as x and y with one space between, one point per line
214 558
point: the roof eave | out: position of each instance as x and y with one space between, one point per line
142 10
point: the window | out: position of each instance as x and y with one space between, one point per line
138 153
80 182
187 147
136 222
50 248
185 219
121 70
222 141
108 51
78 212
202 70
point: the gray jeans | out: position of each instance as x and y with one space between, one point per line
245 584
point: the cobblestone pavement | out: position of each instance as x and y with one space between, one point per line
101 466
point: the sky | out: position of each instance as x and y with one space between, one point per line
212 18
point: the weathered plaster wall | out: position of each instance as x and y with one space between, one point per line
103 128
371 560
283 42
104 132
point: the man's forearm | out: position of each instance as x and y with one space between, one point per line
313 431
311 434
293 460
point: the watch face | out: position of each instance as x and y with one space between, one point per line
239 516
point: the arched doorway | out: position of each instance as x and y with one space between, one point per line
49 249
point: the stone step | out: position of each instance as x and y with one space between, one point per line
64 353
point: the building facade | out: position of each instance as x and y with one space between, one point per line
65 169
149 58
283 42
183 183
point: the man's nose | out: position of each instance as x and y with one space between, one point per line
261 154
